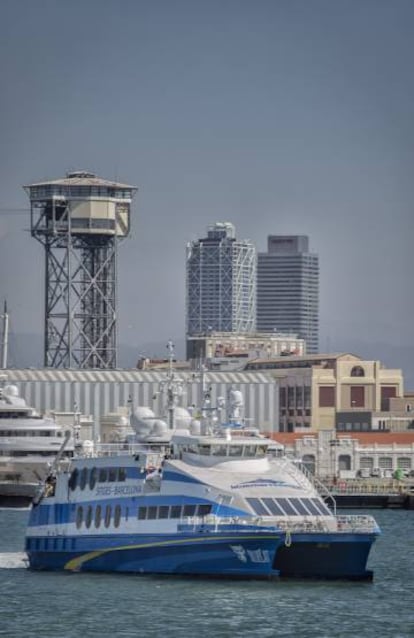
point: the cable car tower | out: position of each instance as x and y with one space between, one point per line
80 220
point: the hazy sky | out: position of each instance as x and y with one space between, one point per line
281 116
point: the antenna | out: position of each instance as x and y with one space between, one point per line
5 337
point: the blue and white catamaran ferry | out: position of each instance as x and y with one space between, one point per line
203 499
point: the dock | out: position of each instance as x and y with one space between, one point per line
372 493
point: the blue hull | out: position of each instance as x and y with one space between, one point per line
227 554
329 556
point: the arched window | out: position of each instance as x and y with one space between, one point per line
357 371
344 462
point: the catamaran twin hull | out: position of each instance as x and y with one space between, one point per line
236 552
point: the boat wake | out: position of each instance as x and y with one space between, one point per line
13 560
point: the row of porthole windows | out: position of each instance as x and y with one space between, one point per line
87 515
82 478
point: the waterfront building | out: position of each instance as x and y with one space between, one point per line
223 349
328 453
336 392
102 392
220 283
288 288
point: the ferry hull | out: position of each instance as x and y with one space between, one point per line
232 555
325 556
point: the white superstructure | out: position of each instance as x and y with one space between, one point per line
29 442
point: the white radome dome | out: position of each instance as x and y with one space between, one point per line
11 390
182 417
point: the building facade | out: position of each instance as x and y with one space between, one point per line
288 289
101 392
338 392
216 349
364 454
220 283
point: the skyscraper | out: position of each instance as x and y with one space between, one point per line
288 288
221 282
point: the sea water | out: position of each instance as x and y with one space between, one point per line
66 605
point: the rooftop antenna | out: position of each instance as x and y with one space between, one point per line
5 337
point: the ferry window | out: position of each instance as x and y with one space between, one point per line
152 512
112 474
235 450
88 519
273 506
107 516
117 515
261 450
103 475
73 480
258 506
324 509
163 511
126 513
79 516
311 507
189 510
92 478
142 513
219 450
83 478
250 451
288 508
205 450
175 511
299 506
204 509
122 474
98 515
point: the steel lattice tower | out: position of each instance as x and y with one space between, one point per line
80 220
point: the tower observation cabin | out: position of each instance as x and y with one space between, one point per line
80 220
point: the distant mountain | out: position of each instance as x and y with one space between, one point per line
27 351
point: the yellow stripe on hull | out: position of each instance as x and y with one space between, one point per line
75 563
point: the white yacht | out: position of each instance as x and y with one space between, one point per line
29 444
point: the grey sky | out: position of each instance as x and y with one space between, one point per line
281 116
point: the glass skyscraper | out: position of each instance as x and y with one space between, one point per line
220 282
288 289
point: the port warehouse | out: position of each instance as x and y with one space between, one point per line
99 392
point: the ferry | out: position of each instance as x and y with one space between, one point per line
115 513
202 497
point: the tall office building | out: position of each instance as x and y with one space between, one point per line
221 283
288 289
